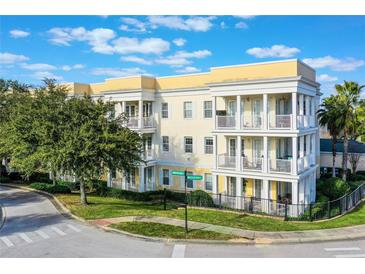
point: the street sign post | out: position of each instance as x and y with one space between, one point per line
186 177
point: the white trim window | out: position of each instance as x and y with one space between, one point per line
165 144
188 144
208 145
208 109
188 110
208 182
165 177
164 110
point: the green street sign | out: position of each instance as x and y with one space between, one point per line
178 173
195 177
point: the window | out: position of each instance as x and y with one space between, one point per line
114 173
131 178
188 110
208 145
165 110
208 182
165 143
189 183
188 144
207 109
165 177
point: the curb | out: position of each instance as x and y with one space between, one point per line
255 241
2 216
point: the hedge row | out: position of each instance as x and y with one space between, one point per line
59 188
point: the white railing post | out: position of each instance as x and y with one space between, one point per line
238 112
215 150
265 159
294 110
294 169
140 114
264 118
238 153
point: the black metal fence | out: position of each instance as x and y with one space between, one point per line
294 212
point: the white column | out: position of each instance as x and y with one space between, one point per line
238 193
301 146
301 190
123 103
215 151
238 112
141 179
214 112
294 187
215 184
238 153
300 104
266 153
294 110
265 188
109 184
307 105
295 155
118 109
313 152
265 118
140 114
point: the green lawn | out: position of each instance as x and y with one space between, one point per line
101 207
169 231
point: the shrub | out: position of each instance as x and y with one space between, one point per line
200 198
332 188
61 189
5 180
101 188
40 177
357 177
73 186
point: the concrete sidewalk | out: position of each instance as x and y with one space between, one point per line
346 233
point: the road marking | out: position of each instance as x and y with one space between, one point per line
58 231
25 238
7 241
42 234
178 251
351 256
74 228
342 249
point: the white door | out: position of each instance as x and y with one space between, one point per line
231 110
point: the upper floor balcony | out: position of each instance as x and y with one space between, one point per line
287 111
139 113
276 155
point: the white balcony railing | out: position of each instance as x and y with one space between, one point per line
306 121
306 162
280 165
132 122
254 121
254 164
281 121
148 154
226 161
226 122
148 122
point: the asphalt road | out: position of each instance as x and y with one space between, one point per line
35 228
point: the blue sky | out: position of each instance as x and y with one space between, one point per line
91 48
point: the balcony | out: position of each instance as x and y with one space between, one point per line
280 165
226 122
226 161
254 165
252 122
148 122
148 155
132 122
136 123
281 121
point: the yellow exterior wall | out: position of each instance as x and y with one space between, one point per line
249 187
221 184
218 74
273 190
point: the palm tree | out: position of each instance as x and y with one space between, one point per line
328 117
348 108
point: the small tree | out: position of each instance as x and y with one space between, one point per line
354 159
93 142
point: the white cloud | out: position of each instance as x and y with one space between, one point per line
126 45
46 74
181 58
97 38
132 24
326 78
188 69
336 64
38 67
69 68
136 59
274 51
17 33
222 25
193 23
241 25
9 58
179 42
118 72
